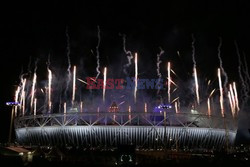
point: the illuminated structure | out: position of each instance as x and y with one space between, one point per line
174 130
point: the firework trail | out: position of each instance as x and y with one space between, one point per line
97 52
64 108
169 79
16 98
196 86
145 108
231 103
212 92
236 97
176 107
69 62
82 81
33 90
22 103
221 66
74 86
128 53
104 83
195 72
221 93
35 102
121 103
33 85
64 111
158 67
49 88
23 97
175 99
208 107
136 77
81 105
129 114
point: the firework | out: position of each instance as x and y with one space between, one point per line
16 98
33 90
49 88
208 107
136 77
104 83
74 86
81 105
196 86
221 93
35 102
169 83
236 97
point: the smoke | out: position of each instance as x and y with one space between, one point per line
29 66
195 71
69 63
221 66
48 62
36 62
128 53
247 77
97 52
158 67
193 51
244 84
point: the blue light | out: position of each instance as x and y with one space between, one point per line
12 103
162 107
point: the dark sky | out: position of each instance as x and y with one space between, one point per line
36 29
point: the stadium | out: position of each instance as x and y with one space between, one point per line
144 130
182 117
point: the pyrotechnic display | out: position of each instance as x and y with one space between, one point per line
119 83
108 110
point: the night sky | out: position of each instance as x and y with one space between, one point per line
32 31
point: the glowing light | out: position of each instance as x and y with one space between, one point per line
221 93
232 97
49 87
145 108
208 107
35 102
82 81
23 106
176 106
104 83
208 83
121 103
136 77
74 86
175 99
16 98
236 97
196 86
81 105
64 108
212 92
231 103
129 113
169 81
33 90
